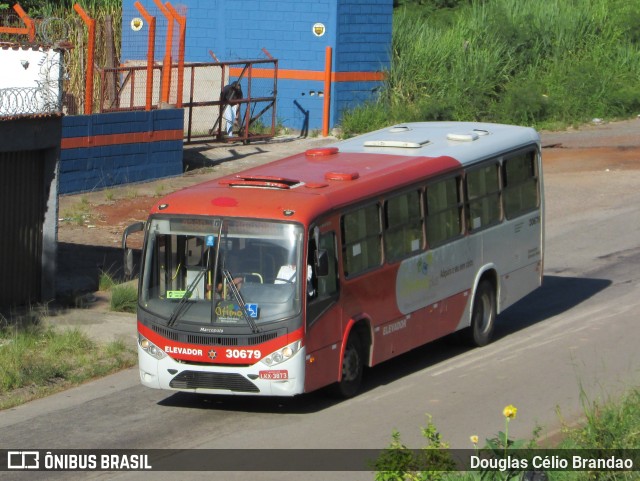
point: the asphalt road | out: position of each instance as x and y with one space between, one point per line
575 338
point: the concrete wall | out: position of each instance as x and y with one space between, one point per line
358 31
103 150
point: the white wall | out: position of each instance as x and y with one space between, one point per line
30 80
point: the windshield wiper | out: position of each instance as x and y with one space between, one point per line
238 298
182 304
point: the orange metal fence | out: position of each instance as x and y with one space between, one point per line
145 84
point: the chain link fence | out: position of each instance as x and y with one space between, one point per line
68 34
204 109
121 72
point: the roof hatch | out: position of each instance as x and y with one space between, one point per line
321 152
261 181
464 137
395 143
341 175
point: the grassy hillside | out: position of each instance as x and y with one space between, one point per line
544 63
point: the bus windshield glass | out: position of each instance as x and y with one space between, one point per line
221 271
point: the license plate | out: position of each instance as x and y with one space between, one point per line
274 375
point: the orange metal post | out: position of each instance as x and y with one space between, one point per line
327 92
31 25
166 66
182 22
151 46
88 90
29 29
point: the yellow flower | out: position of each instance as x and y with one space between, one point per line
474 439
510 411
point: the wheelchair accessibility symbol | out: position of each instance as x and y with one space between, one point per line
252 309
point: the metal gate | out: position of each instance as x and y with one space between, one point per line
203 108
21 225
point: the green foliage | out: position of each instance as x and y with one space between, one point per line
399 463
106 281
612 425
38 360
124 298
532 62
43 8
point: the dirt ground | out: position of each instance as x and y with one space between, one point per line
91 224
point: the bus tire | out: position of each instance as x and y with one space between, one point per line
483 316
352 367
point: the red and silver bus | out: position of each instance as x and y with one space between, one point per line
297 274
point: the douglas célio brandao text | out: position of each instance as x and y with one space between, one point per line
575 462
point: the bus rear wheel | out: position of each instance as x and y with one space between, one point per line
352 367
483 316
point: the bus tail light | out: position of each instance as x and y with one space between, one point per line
150 348
283 354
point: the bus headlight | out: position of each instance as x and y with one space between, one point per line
150 348
283 354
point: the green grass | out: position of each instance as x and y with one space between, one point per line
79 213
40 360
37 361
532 62
612 425
124 298
106 281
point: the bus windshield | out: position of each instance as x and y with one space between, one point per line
221 271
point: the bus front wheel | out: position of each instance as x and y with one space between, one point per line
352 367
483 316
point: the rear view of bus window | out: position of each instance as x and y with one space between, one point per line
483 191
521 184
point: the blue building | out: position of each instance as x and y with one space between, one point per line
297 33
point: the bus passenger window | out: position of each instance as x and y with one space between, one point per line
403 225
362 240
444 211
483 197
521 192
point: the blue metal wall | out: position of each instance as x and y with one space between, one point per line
358 31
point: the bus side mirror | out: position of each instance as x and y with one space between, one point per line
128 253
322 263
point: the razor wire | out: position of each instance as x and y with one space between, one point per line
25 101
49 30
53 30
45 98
10 20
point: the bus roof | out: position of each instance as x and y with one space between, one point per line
302 186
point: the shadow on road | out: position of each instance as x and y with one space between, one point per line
194 158
557 295
197 157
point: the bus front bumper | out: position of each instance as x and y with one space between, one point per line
283 379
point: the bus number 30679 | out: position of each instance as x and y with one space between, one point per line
243 354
